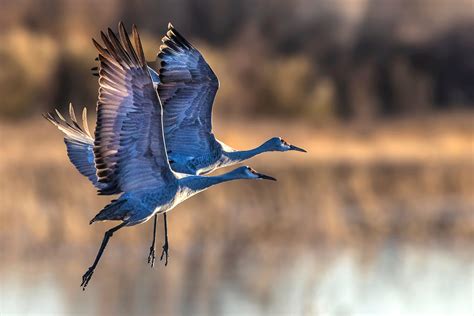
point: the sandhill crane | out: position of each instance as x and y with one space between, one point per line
187 87
129 148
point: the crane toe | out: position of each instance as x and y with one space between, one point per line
164 253
87 277
151 256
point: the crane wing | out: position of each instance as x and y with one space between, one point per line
129 146
79 143
187 89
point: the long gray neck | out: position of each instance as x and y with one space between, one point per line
241 155
200 183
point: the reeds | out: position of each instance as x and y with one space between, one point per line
322 198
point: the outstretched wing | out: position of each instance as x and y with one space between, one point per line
129 146
187 89
79 143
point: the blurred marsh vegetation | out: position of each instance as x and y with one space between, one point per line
376 219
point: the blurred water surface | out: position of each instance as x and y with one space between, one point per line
395 280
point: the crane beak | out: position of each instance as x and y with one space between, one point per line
265 177
292 147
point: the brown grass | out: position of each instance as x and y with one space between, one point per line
403 180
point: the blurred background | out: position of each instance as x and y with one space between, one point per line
376 219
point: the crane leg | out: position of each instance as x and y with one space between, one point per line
164 252
151 256
88 275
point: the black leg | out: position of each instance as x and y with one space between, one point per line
151 256
165 245
88 275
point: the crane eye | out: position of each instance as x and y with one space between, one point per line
284 142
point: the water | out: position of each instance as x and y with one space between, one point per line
394 279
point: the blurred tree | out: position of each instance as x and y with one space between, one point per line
373 58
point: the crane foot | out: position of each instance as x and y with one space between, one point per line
164 253
87 277
151 256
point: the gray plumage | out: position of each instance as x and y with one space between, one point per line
187 87
129 148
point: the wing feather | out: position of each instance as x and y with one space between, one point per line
79 143
187 90
129 146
